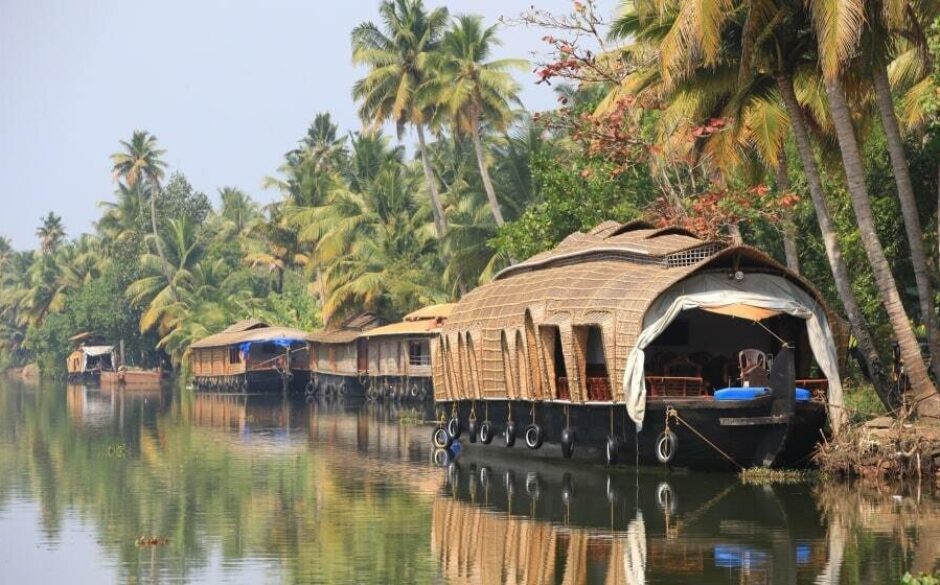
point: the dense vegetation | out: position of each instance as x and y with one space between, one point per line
740 119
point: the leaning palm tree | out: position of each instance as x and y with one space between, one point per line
140 163
836 38
397 58
50 233
772 46
892 29
474 92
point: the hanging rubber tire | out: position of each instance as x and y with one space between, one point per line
486 432
534 436
485 478
666 445
510 433
341 391
440 438
453 428
533 485
567 443
472 430
414 391
567 489
666 498
509 482
612 450
441 457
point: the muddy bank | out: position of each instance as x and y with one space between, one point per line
884 449
27 372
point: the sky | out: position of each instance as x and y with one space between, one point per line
226 86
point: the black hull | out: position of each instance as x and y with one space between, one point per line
255 382
730 434
372 387
84 377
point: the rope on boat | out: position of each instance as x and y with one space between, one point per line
671 412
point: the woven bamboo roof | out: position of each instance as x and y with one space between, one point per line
638 242
441 311
348 330
609 274
422 327
245 325
260 332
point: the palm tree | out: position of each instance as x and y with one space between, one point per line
885 21
397 56
837 27
140 162
375 246
238 208
772 47
50 233
474 91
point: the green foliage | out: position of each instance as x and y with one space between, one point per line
49 341
922 579
576 193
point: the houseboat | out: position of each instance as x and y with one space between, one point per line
252 356
87 363
339 357
399 354
646 343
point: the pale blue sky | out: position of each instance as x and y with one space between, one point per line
226 86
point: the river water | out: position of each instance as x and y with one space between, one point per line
172 487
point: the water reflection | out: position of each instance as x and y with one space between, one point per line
260 489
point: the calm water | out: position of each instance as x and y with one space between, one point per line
264 491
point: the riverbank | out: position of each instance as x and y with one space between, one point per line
882 449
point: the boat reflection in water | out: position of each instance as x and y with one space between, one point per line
545 524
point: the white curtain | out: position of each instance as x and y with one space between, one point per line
763 291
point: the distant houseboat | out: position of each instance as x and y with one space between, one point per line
339 357
399 363
632 341
87 363
252 356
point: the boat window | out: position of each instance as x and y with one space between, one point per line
233 355
597 382
419 352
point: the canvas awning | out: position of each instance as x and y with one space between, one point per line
743 311
756 295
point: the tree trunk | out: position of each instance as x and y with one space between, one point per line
484 172
790 247
840 272
923 392
322 287
915 233
440 225
164 265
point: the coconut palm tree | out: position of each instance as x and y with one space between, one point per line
397 57
50 233
238 208
376 247
837 26
140 162
891 28
772 47
474 92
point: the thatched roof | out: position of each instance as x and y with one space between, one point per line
348 330
608 277
441 311
255 331
637 242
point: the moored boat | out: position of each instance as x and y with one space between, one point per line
88 362
632 342
252 356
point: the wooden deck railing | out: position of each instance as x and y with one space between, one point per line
598 388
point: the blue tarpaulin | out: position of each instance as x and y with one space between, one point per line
284 342
752 392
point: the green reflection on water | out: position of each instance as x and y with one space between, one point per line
338 493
